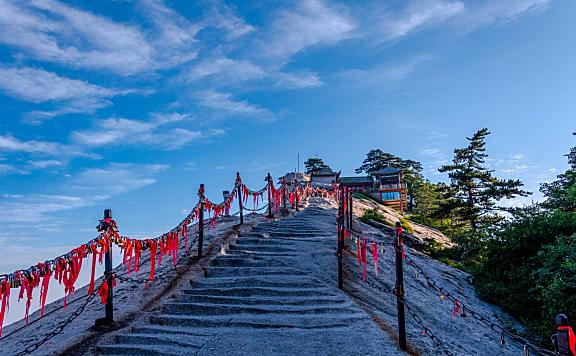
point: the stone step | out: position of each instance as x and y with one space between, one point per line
180 308
170 330
274 300
258 281
250 239
186 341
259 291
259 321
261 248
245 262
263 254
151 350
212 271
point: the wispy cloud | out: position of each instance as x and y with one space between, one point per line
224 69
431 152
122 131
224 17
492 12
89 187
417 15
226 104
309 23
386 74
55 32
38 86
116 178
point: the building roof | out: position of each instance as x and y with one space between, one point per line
362 180
325 171
301 177
387 171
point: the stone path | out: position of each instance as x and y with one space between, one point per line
264 296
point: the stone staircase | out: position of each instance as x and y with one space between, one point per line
259 298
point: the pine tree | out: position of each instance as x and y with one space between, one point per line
314 165
377 160
561 194
473 192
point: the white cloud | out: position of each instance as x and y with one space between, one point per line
89 187
46 163
224 17
117 178
500 12
174 40
309 23
297 80
225 103
225 69
12 144
416 15
431 152
121 131
386 74
35 207
38 86
55 32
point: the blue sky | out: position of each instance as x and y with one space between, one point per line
131 104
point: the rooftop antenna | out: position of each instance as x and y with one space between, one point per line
298 163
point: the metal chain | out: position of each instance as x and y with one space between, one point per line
426 330
416 317
481 318
59 328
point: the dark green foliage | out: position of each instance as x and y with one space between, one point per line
521 269
471 197
377 160
374 214
562 193
529 265
314 165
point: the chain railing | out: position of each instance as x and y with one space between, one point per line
65 268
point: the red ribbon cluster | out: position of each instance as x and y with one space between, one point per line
66 268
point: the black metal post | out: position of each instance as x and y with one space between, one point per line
239 187
340 243
345 197
400 289
109 320
269 179
296 193
226 195
201 221
284 210
351 211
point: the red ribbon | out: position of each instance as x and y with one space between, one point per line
456 308
375 256
364 259
103 292
5 295
44 287
153 247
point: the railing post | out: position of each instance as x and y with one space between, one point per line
284 210
350 210
345 197
226 195
201 221
296 194
109 276
269 180
340 223
107 323
239 187
400 288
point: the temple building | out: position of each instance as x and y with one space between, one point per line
386 186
